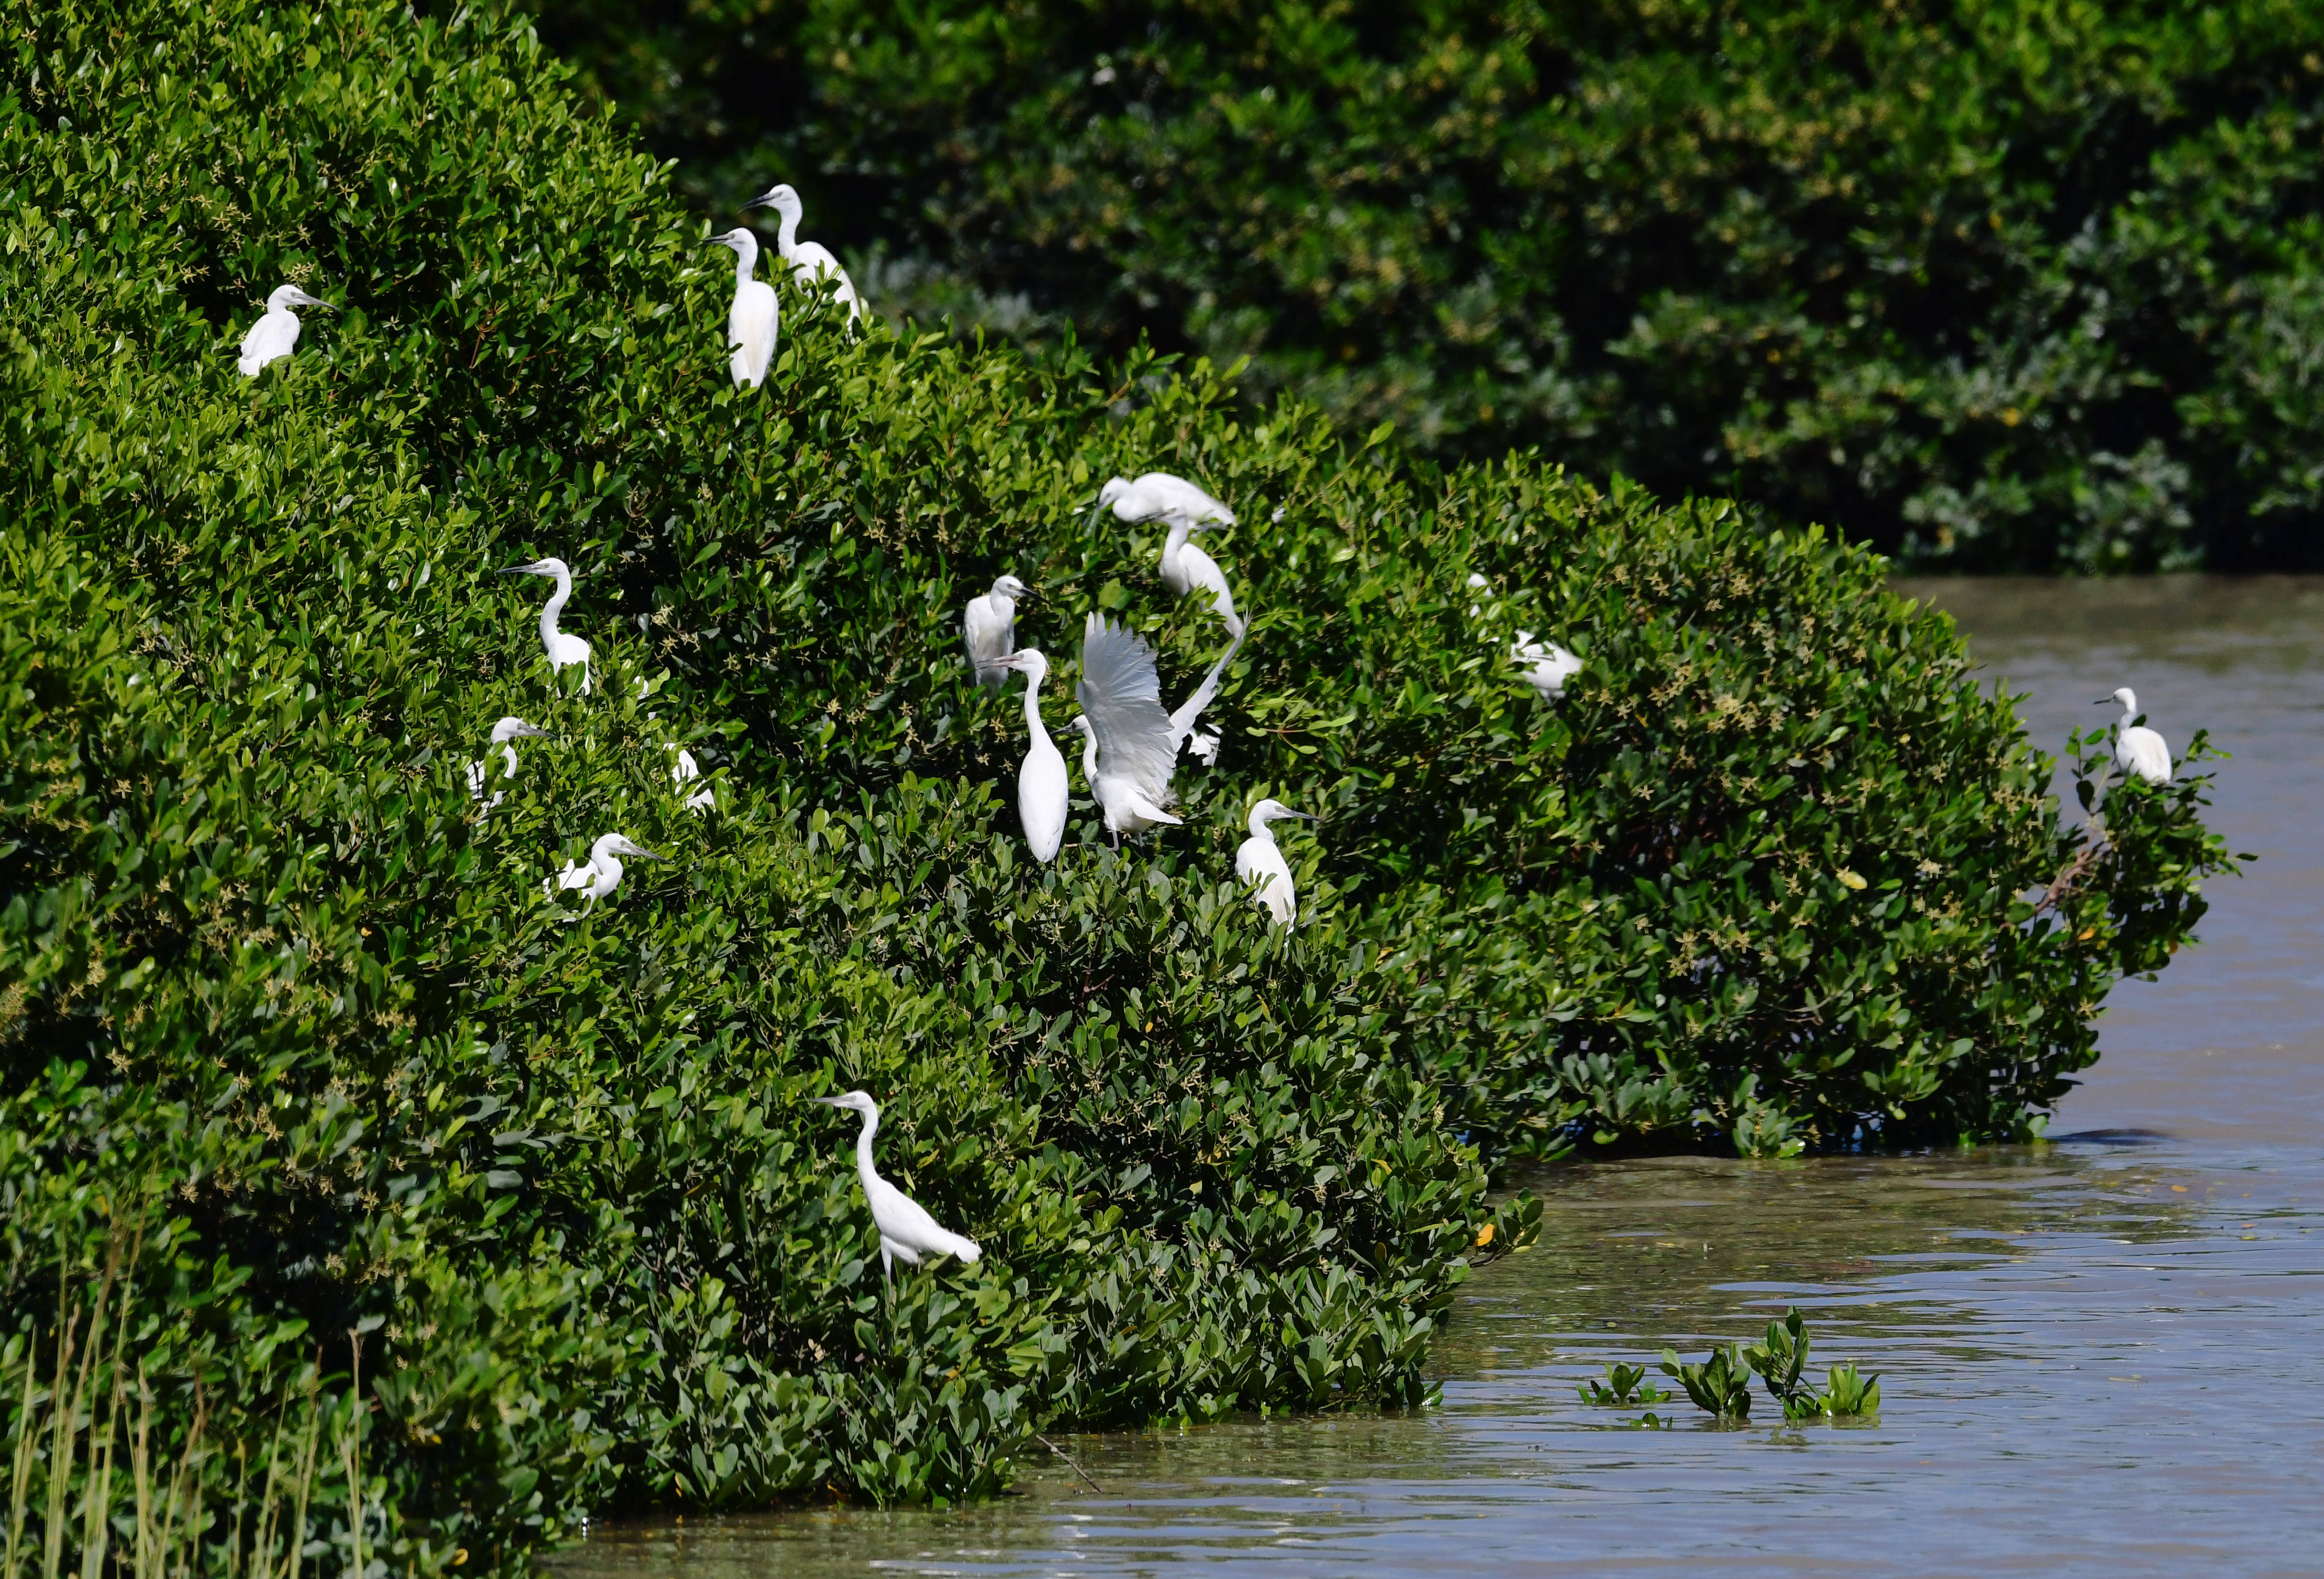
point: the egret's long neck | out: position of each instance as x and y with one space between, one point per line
1260 829
746 258
1089 760
864 1168
787 239
1177 540
509 752
554 606
1033 707
2129 711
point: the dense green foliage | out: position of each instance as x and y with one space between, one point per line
282 1006
1988 283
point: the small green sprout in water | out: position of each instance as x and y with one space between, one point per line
1624 1385
1848 1395
1721 1385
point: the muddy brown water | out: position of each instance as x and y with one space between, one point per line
2101 1355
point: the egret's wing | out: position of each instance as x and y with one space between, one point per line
750 328
1181 721
1180 498
269 340
1122 696
906 1223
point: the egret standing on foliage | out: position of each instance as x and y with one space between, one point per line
562 649
1041 784
601 875
752 320
1258 858
906 1229
1548 665
809 260
991 629
1183 508
504 734
272 338
2138 750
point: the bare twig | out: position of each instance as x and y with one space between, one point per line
2070 877
1068 1457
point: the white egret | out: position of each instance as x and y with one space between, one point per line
272 338
991 630
601 874
1258 860
1548 666
809 260
686 770
1041 783
1183 508
1205 747
752 321
1132 744
2138 750
505 733
906 1231
562 649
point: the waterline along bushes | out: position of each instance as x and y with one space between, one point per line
285 1009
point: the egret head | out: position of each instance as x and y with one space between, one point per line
1120 493
2125 696
1268 812
780 197
617 844
1028 662
287 295
538 567
1009 586
1080 726
741 241
859 1101
511 728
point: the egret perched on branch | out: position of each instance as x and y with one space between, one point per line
2138 750
277 331
991 629
562 649
1185 510
751 321
601 875
906 1229
686 770
504 734
1041 783
1259 860
809 260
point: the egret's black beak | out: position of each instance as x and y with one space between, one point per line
826 1101
2103 702
514 570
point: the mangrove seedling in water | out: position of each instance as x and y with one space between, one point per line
1720 1386
1624 1385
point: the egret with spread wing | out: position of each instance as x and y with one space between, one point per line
1185 510
906 1231
990 628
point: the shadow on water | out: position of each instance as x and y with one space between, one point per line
2096 1355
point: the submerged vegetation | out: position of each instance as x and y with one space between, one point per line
465 1215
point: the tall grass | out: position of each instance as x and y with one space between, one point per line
117 1474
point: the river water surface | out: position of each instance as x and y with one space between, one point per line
2101 1355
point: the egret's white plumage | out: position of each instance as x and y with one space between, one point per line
276 333
686 770
1184 510
597 878
505 733
1547 665
752 321
809 260
1259 865
906 1231
1204 746
562 649
1041 783
990 628
1133 743
2138 750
